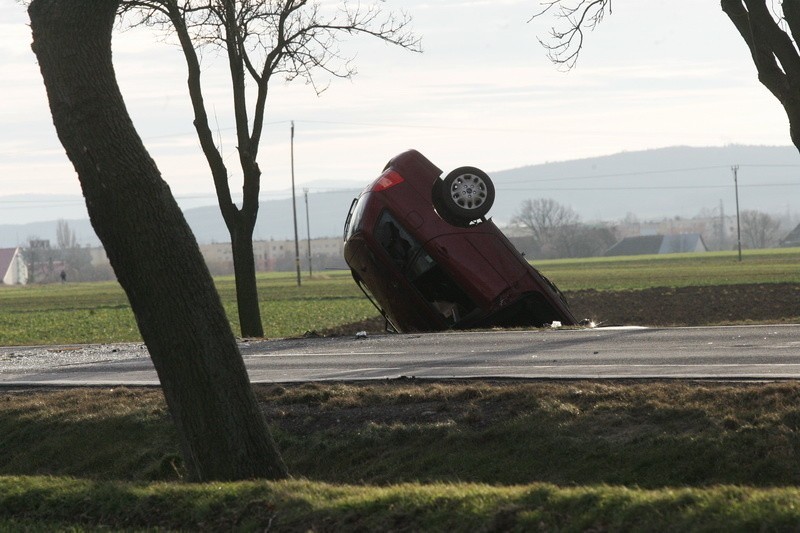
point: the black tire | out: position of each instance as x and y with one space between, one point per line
467 194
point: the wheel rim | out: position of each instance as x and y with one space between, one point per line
468 191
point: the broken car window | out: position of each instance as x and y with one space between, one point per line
395 240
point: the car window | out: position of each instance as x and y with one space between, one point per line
422 270
419 264
353 222
397 242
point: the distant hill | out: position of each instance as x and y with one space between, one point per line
667 182
650 184
327 213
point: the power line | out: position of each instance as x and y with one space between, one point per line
191 132
640 173
412 126
644 187
504 185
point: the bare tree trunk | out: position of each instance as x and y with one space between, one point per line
244 267
222 431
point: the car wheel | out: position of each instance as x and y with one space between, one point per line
467 193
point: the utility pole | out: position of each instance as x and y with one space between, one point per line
294 214
308 233
735 169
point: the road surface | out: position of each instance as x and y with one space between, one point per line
736 352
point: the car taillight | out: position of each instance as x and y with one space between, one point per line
390 178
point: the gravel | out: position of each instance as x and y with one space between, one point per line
29 359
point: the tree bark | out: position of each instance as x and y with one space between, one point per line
223 433
244 266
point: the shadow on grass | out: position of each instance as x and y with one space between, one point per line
656 434
645 434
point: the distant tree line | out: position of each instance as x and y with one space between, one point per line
553 231
556 231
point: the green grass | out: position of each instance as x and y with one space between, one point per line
674 270
78 505
287 310
421 456
77 313
100 313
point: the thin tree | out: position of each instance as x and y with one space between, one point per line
548 221
262 40
75 259
65 237
770 30
222 431
759 230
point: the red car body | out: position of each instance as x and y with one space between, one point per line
425 273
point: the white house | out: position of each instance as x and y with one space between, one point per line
13 270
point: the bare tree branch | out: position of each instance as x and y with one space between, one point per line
770 29
296 39
567 35
774 51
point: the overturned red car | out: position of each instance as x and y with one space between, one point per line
423 251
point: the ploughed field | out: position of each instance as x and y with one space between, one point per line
670 306
690 306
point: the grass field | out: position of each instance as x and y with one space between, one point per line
99 312
675 270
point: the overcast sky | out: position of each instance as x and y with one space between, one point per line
656 73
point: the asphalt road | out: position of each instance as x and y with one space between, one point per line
737 352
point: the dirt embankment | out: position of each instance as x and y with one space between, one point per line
665 306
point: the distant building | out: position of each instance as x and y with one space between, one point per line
659 244
718 231
279 255
270 256
792 239
13 270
